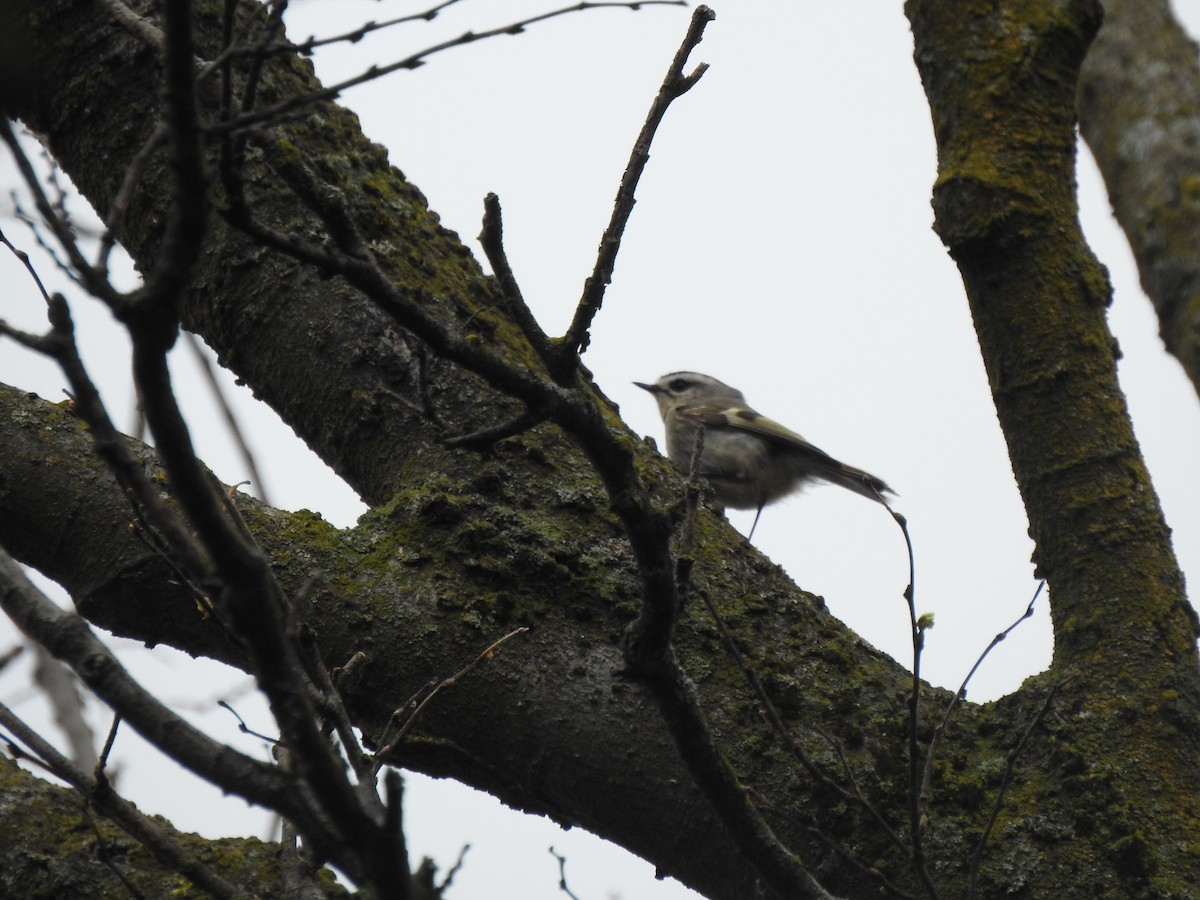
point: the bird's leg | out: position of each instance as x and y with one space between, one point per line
755 525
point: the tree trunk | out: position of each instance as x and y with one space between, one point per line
461 546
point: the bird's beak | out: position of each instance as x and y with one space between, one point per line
652 388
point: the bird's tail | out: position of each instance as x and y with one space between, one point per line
858 481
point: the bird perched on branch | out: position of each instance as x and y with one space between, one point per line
748 459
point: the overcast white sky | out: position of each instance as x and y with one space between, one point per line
782 243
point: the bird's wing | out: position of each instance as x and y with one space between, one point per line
743 419
825 466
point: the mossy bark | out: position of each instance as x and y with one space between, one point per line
460 546
1001 80
56 848
1139 110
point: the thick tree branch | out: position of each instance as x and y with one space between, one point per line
54 848
1003 113
462 543
372 595
1139 110
129 818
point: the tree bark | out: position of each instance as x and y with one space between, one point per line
1001 81
1139 110
66 850
461 546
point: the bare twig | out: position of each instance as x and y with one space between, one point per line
562 874
684 560
393 846
61 689
961 693
676 84
66 636
454 870
9 655
114 221
109 742
97 285
35 226
329 700
885 883
918 817
23 259
295 868
793 745
491 238
486 437
160 521
412 61
231 420
130 886
357 34
249 594
243 727
409 713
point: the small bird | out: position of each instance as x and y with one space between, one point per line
748 459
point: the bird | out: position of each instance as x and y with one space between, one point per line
748 459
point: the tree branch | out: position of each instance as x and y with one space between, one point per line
676 84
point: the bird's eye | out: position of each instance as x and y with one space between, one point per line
679 384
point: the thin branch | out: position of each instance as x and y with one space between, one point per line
160 521
91 279
650 657
243 728
486 437
412 61
9 655
793 745
779 868
231 420
918 815
417 707
295 868
102 852
353 37
676 84
562 874
454 870
394 848
187 214
114 221
109 742
70 639
34 225
61 689
491 238
23 259
684 560
258 57
250 596
253 596
961 693
885 883
329 700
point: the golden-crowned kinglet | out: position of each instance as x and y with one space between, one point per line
748 459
